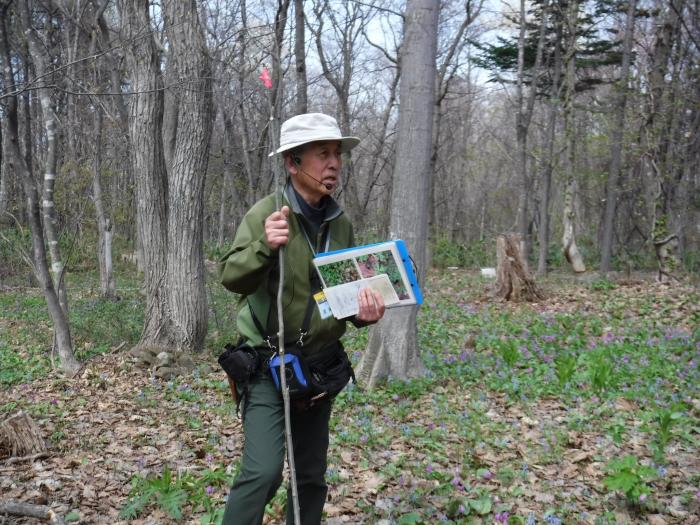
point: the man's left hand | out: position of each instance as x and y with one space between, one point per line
371 306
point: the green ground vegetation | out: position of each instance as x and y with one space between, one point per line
582 408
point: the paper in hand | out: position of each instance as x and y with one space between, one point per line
343 297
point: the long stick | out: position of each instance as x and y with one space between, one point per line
280 342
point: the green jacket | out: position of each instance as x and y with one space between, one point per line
250 268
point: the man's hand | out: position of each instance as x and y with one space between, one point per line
371 306
277 229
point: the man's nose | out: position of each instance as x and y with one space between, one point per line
335 161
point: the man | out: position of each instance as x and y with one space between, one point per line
308 222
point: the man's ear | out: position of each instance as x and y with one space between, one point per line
290 165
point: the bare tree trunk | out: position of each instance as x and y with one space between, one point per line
4 176
616 146
36 48
187 302
393 348
569 247
300 56
251 170
523 117
104 227
17 163
546 184
659 135
145 125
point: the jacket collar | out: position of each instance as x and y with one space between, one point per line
333 210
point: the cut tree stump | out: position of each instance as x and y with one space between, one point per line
513 281
18 508
667 256
19 436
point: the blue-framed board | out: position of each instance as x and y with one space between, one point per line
384 266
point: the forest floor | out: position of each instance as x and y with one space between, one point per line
583 408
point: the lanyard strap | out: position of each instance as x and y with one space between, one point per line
315 282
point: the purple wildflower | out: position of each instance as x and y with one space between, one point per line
501 517
210 490
487 475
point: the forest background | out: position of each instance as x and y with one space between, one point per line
135 136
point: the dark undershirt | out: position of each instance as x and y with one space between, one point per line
314 215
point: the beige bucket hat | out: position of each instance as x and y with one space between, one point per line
312 127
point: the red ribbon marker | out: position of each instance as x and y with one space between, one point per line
266 79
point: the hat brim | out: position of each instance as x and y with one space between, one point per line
346 144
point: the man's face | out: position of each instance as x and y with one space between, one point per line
318 174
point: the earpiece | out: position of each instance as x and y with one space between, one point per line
296 160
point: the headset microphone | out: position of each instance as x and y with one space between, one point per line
297 161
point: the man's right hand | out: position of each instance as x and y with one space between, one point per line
277 229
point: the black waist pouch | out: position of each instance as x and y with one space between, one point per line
240 362
330 370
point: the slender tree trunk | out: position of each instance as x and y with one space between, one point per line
523 117
104 227
300 56
4 176
616 146
187 302
546 183
521 128
17 164
659 138
26 145
393 348
36 48
569 247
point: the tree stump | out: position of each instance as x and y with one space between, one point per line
513 281
19 436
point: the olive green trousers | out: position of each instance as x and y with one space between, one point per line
264 454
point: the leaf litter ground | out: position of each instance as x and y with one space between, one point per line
524 410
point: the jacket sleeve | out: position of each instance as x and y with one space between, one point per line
246 265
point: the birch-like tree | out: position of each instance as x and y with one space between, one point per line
16 161
37 49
